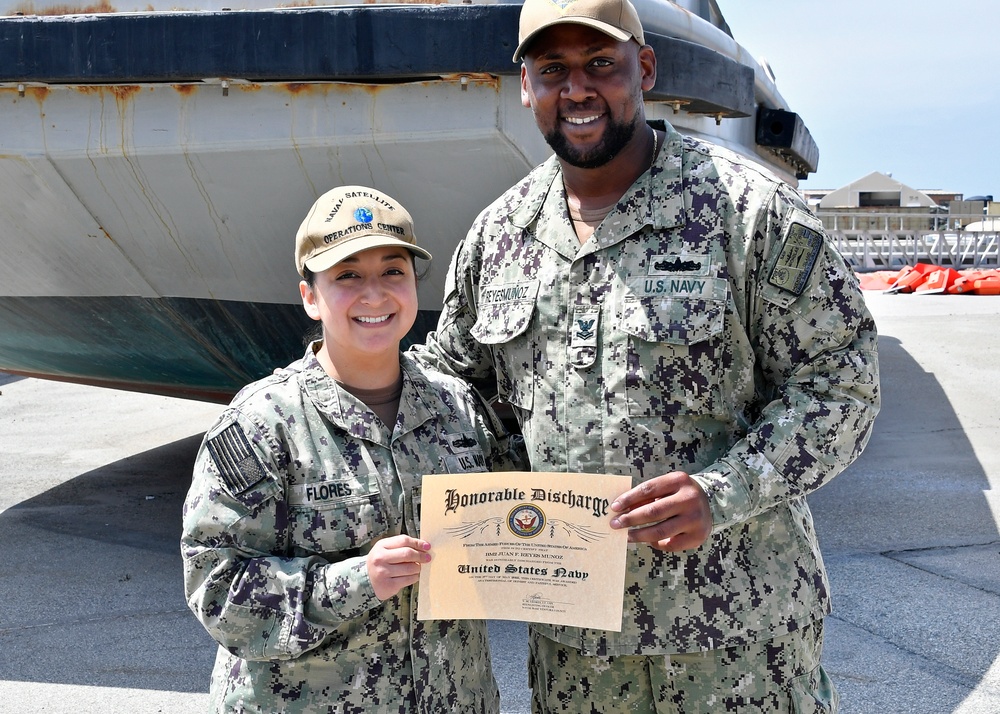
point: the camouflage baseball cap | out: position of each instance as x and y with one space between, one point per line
348 220
616 18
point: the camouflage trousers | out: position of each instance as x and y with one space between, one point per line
780 676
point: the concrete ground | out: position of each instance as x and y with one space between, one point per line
92 617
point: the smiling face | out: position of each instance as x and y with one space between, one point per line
367 303
585 89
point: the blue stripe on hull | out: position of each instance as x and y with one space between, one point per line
276 45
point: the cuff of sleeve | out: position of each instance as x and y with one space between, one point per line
728 495
365 589
346 593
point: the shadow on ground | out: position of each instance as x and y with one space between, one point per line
912 549
92 580
9 378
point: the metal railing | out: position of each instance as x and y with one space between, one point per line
889 241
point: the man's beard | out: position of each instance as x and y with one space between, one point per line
617 136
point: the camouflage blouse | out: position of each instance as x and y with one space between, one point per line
292 487
707 326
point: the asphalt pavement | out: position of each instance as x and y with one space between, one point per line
93 620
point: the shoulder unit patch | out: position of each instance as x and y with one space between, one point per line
238 465
797 259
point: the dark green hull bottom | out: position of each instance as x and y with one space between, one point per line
178 347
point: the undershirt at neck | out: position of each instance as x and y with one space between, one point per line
586 222
384 401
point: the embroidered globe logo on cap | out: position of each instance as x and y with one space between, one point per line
348 220
615 18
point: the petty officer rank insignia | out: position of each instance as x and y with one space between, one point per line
237 463
798 257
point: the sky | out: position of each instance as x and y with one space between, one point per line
909 88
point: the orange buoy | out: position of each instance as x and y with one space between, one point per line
937 281
989 285
911 276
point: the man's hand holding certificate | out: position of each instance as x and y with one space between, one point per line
526 546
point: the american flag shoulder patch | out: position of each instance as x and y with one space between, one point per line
238 465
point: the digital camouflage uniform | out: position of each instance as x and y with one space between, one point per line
292 487
707 326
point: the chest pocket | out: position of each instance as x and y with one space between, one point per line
325 526
675 354
504 324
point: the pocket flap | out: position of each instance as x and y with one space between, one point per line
504 311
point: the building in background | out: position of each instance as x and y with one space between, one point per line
878 222
880 202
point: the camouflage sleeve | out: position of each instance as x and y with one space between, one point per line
256 601
451 348
815 350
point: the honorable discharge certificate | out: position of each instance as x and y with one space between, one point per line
523 546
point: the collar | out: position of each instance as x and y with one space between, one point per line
353 416
655 199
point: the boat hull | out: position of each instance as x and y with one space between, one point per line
149 233
154 166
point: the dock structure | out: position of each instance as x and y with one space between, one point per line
884 241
